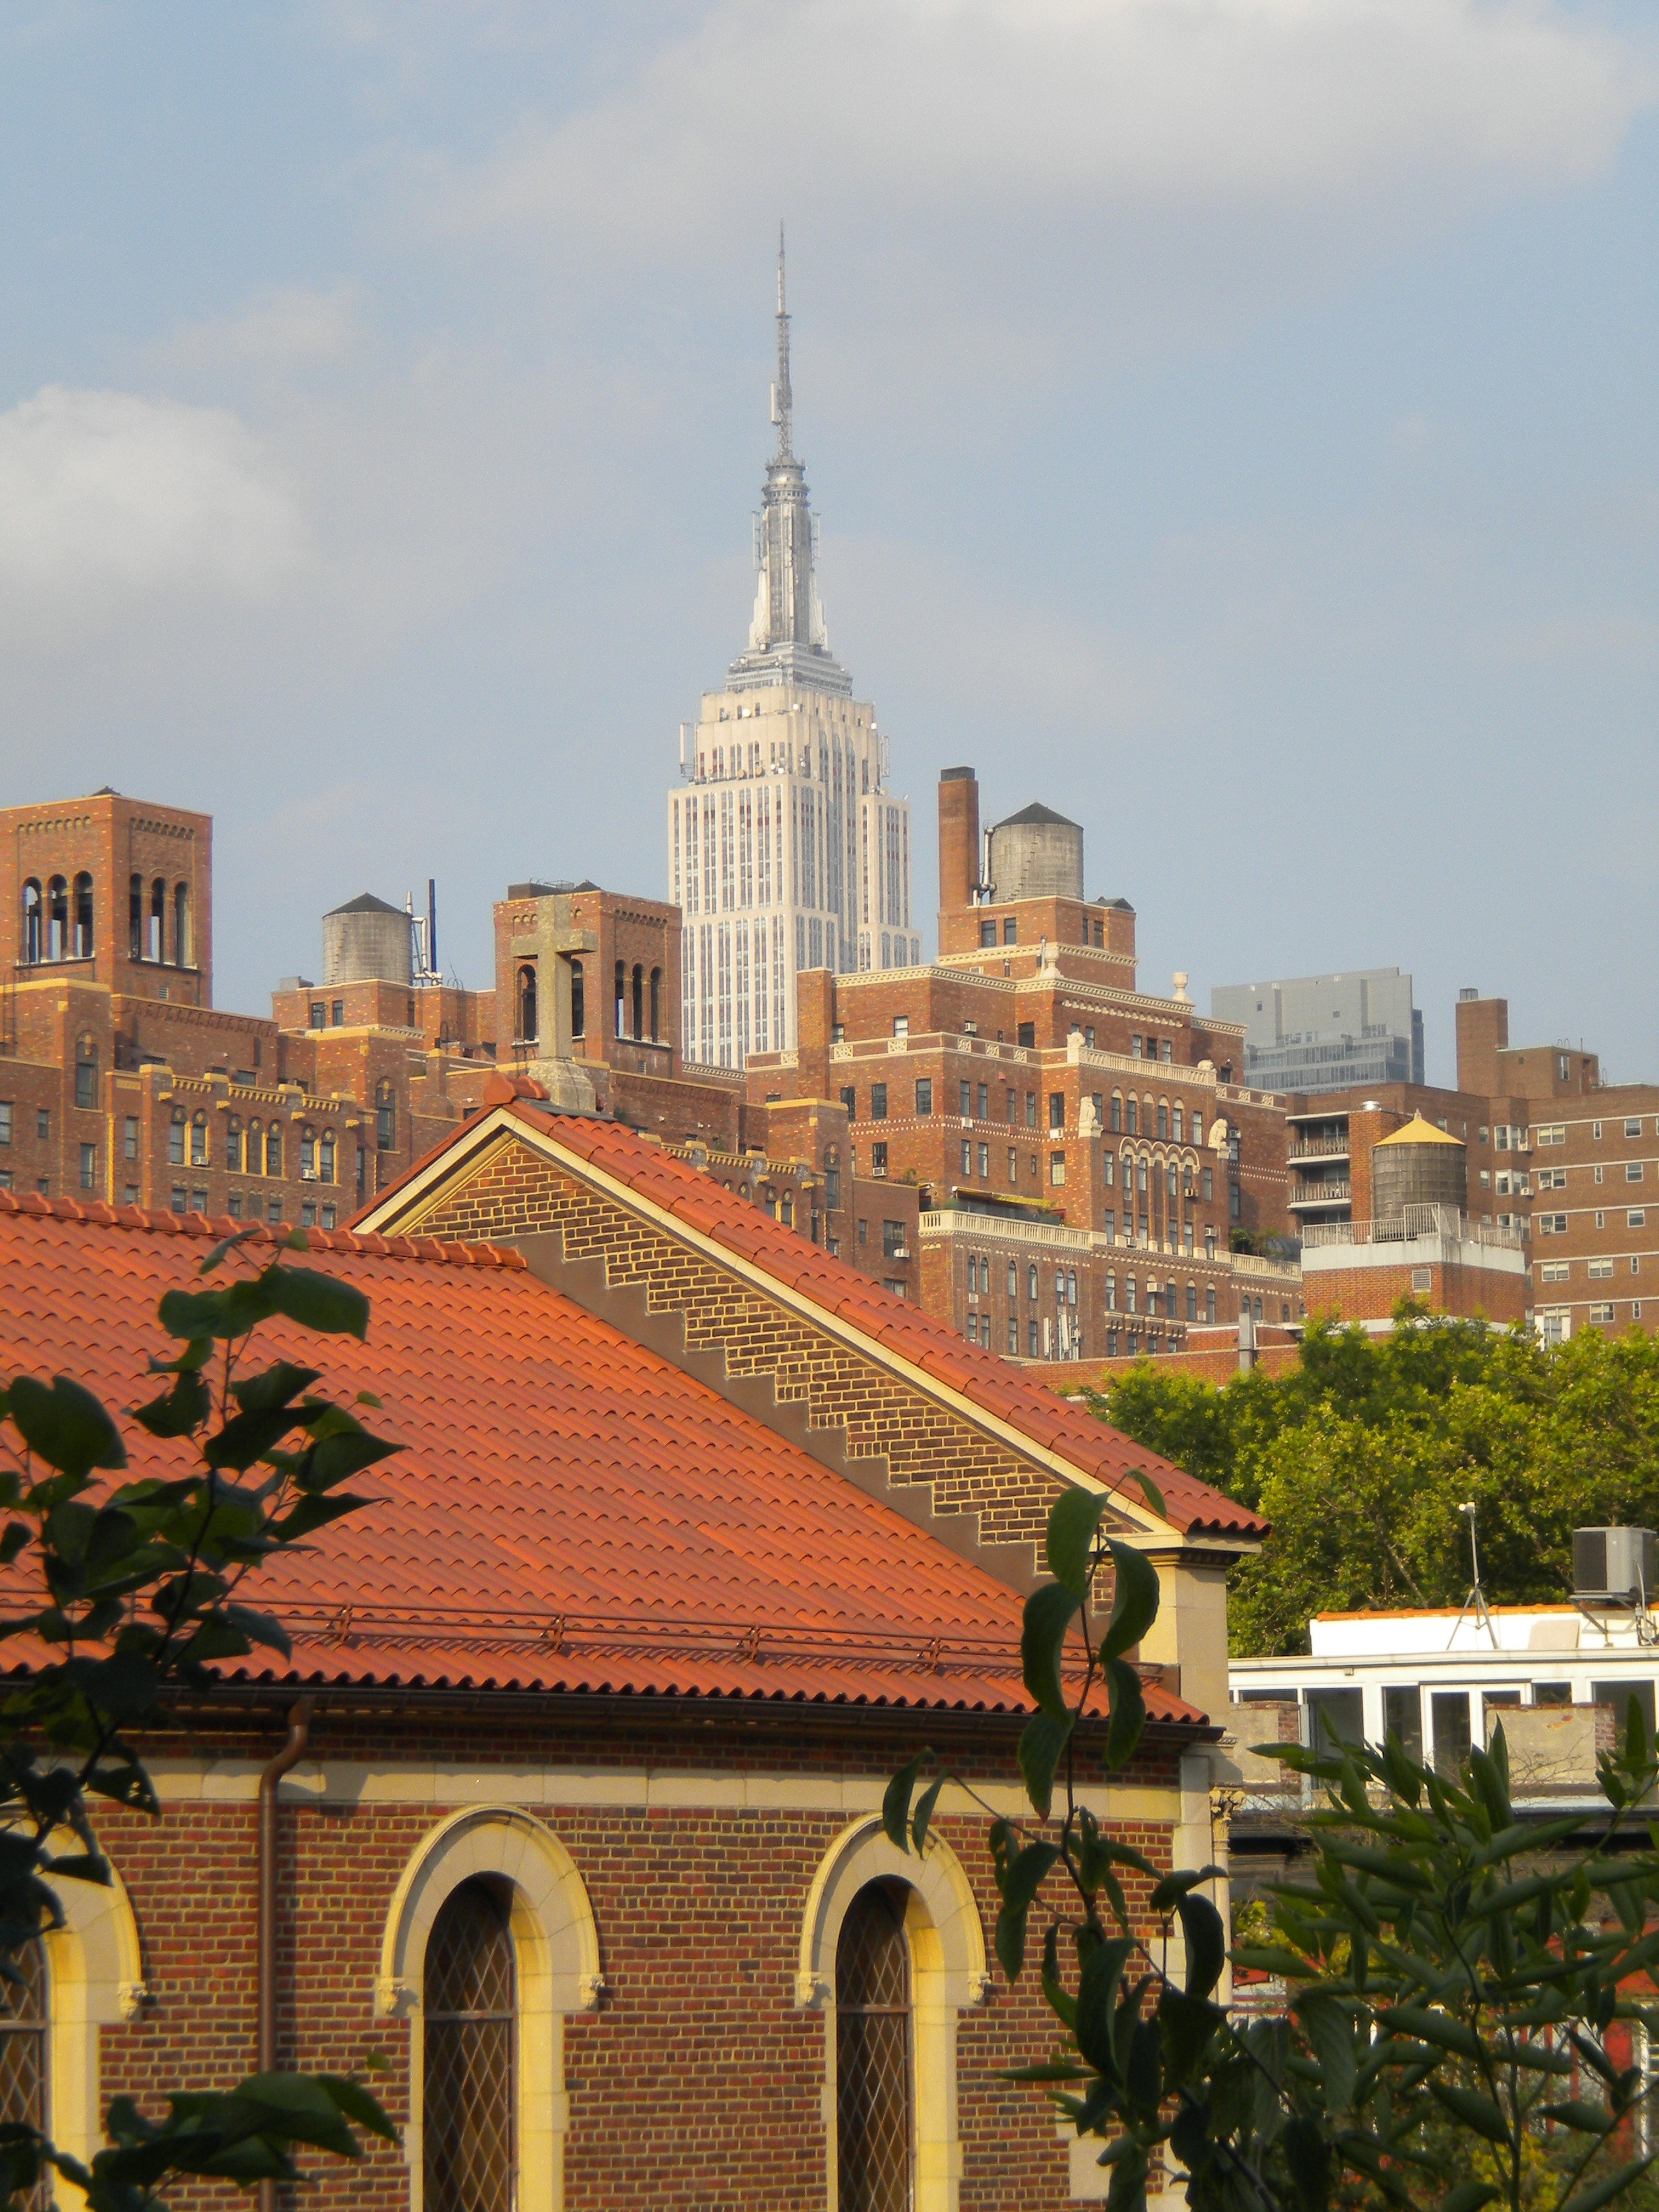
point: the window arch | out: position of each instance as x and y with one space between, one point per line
181 945
528 1028
57 919
80 941
556 1966
578 1000
158 917
621 1024
945 1947
136 917
34 945
468 2103
656 1006
637 981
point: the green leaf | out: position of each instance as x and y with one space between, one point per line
1128 1711
1048 1612
1073 1520
1134 1600
925 1812
1207 1943
896 1801
1330 2030
1469 2197
1473 2109
1186 2025
356 2102
316 1301
64 1426
1308 2155
177 1411
1041 1741
1574 2112
1176 1885
1609 2186
277 1385
1097 2002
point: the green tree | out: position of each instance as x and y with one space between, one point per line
1362 1454
139 1587
1461 1987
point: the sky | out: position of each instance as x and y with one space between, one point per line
1232 422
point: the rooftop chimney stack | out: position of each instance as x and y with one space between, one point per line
958 839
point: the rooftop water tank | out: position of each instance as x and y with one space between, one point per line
1037 854
1418 1165
366 941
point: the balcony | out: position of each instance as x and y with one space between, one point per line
1321 1193
1321 1148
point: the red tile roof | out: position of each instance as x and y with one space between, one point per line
996 1385
569 1513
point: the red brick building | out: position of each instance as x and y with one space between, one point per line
1560 1173
695 1537
1075 1152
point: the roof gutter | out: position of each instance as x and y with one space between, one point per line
298 1736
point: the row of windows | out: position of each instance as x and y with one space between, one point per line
1555 1132
1093 932
1169 1123
638 1003
58 922
1598 1270
42 1121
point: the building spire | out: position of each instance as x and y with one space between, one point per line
782 401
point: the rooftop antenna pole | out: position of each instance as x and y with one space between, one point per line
1475 1602
782 400
432 927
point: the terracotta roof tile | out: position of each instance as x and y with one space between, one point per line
982 1376
569 1511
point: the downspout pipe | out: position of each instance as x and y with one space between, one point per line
299 1735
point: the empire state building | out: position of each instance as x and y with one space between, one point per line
786 848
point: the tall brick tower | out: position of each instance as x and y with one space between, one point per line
787 849
113 891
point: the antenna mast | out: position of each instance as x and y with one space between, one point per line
1475 1602
782 398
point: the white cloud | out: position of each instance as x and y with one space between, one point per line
110 503
288 327
1079 108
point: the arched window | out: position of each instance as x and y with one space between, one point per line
274 1148
82 940
1134 1116
469 2136
386 1115
256 1153
158 916
32 947
622 996
1141 1175
86 1071
1117 1112
136 917
639 999
1170 1174
656 1006
1032 1280
181 947
874 2125
23 2040
1163 1119
308 1154
528 1029
233 1144
326 1158
58 913
198 1141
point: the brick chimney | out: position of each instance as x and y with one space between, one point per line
958 839
1483 1031
815 1010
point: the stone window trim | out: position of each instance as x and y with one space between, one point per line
948 1976
556 1948
94 1980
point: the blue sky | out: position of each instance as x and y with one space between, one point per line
1232 421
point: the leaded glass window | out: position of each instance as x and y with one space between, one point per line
23 2048
875 2136
469 2120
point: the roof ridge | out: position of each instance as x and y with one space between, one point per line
99 1213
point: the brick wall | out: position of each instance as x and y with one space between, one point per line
513 1192
698 2081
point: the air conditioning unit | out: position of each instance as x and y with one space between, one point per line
1614 1566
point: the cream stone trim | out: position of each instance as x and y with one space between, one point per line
557 1961
382 1222
947 1974
95 1980
183 1779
